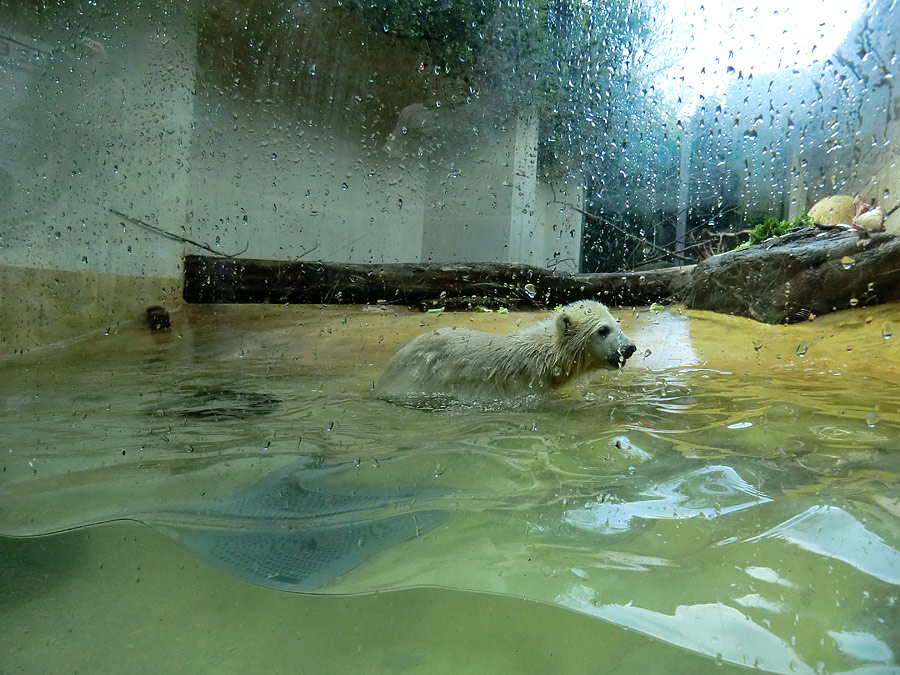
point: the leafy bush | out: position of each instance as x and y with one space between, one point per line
773 227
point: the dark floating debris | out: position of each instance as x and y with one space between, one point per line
157 318
220 404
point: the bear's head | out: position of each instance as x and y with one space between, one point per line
590 334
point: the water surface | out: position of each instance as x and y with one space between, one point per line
731 496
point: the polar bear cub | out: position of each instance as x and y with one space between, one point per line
471 365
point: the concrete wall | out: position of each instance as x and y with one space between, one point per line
289 155
559 227
96 113
126 118
91 124
340 150
280 188
469 193
485 201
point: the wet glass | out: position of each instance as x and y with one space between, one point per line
729 496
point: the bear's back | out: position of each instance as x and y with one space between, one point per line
459 363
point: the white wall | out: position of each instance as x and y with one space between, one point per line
287 190
116 110
485 202
91 124
469 192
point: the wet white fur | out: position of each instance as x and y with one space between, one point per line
461 363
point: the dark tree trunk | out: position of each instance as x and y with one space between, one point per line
806 271
233 280
782 280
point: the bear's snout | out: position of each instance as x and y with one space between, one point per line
618 358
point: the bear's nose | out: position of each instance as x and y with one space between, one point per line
628 350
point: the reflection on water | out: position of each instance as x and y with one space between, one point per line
725 632
832 532
705 493
723 493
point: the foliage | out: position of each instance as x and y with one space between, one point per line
594 50
773 227
449 28
571 60
572 63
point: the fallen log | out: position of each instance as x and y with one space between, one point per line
806 271
453 286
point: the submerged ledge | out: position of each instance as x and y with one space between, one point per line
806 272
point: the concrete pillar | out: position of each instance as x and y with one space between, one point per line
524 246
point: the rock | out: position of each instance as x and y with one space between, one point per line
849 211
834 209
157 318
871 220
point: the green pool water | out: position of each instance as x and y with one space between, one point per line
729 499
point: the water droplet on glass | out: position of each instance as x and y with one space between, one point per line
887 330
854 302
344 186
872 418
84 259
847 262
801 349
312 69
530 290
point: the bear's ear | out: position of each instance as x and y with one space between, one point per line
563 322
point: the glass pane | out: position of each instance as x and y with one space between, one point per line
363 322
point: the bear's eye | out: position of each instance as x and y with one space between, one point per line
603 331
